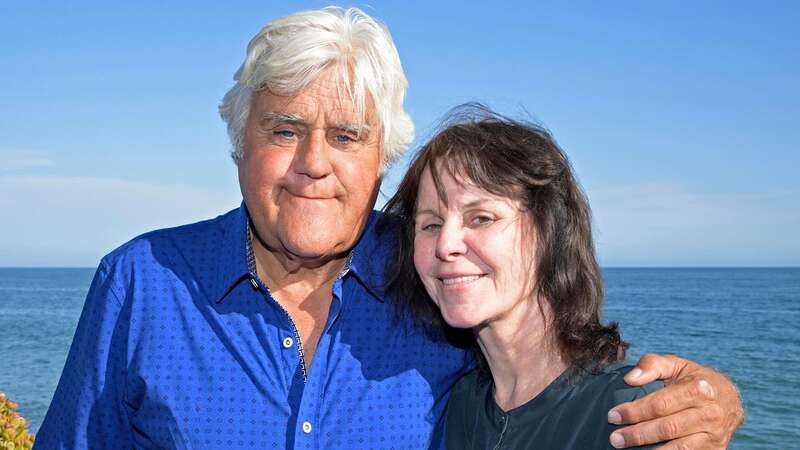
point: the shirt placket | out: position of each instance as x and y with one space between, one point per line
292 337
309 429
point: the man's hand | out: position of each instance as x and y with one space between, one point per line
699 408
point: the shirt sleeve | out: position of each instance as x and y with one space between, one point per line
88 408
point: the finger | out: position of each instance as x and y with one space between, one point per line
653 367
670 400
667 428
698 441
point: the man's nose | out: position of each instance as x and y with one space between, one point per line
450 242
313 157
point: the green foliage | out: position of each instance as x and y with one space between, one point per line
13 429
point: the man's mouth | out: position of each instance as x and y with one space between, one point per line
311 195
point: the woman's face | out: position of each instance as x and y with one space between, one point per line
471 254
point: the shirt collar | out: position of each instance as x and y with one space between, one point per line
232 266
371 253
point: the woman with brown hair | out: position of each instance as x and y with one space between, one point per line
496 238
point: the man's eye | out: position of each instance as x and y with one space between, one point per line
344 139
286 134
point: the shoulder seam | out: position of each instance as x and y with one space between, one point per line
111 282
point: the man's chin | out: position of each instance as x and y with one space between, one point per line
309 252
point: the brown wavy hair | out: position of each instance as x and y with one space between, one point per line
521 161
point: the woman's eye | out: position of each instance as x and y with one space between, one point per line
482 220
431 227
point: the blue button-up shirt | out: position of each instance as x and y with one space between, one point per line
181 346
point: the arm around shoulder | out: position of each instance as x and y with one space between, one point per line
699 408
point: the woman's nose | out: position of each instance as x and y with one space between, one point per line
450 243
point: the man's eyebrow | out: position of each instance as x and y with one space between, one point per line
354 127
282 117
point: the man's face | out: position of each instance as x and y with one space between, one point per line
308 175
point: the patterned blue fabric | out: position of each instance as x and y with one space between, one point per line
181 346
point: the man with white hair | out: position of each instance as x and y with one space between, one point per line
269 327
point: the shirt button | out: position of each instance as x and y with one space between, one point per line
287 342
306 427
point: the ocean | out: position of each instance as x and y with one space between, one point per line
745 322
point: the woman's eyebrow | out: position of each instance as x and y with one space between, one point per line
477 203
425 211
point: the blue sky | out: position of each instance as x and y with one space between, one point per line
680 118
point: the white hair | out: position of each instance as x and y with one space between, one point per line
291 52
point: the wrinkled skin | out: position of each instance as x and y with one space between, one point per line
700 408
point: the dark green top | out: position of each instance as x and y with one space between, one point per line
571 413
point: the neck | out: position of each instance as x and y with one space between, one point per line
297 279
522 354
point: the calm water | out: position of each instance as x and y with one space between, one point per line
742 321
